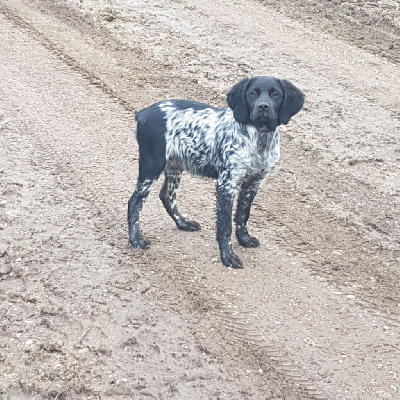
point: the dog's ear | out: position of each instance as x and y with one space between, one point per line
236 99
292 103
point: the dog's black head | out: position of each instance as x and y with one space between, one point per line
264 102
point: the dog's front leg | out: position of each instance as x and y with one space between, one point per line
245 199
225 194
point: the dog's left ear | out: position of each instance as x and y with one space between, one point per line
236 99
292 103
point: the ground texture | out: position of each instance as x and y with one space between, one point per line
315 313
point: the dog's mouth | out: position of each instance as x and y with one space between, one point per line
265 122
264 116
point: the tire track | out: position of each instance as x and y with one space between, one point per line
79 328
240 334
235 333
377 29
64 57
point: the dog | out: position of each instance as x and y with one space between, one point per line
238 146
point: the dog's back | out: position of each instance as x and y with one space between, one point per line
179 129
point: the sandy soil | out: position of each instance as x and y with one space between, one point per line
315 313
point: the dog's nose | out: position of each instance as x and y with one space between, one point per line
263 106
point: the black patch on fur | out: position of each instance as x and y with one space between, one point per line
236 99
292 103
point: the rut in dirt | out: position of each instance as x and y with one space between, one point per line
320 295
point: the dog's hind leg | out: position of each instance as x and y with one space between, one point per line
135 205
173 174
152 161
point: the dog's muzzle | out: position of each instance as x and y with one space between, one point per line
264 112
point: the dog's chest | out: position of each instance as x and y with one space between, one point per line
258 157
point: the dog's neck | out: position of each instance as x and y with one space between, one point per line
264 140
262 136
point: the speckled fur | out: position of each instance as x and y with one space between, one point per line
236 148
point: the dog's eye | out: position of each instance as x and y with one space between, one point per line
274 93
254 93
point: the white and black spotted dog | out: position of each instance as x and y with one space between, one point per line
237 146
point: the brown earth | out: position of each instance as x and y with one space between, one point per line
371 25
315 313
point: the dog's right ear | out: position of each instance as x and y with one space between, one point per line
236 99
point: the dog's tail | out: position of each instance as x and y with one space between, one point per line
139 117
151 127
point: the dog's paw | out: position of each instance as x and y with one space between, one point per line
230 259
139 243
188 226
245 239
248 241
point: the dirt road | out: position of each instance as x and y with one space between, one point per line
315 313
